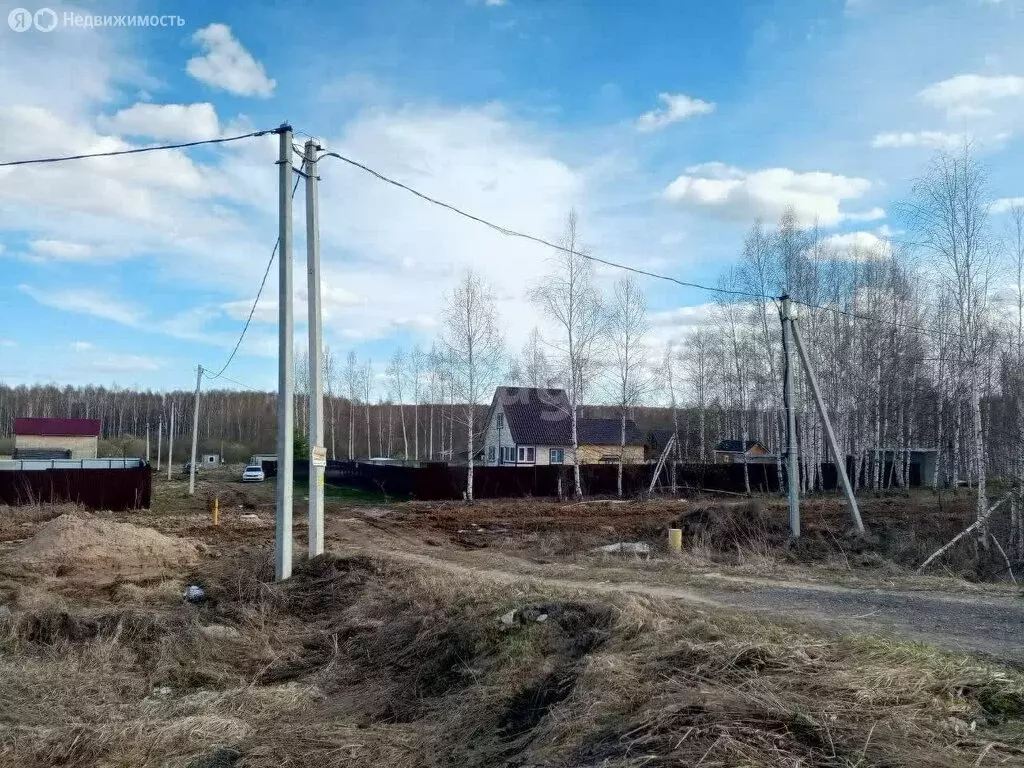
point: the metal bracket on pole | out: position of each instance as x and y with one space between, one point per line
840 458
317 451
792 463
285 363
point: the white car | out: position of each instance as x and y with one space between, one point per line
253 474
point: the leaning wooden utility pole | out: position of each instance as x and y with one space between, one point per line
317 450
838 457
792 464
195 433
285 362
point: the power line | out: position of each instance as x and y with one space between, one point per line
252 309
533 238
881 321
136 151
246 386
541 241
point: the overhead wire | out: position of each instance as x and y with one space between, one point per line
508 232
505 231
239 383
256 301
539 240
134 151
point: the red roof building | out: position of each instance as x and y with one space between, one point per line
56 438
57 427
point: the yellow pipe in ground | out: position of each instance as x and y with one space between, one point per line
675 540
216 510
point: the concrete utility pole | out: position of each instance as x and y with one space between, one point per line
285 362
195 433
317 451
170 444
159 442
147 442
792 465
839 458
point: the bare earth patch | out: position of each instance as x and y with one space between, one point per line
91 549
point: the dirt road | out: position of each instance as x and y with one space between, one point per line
989 626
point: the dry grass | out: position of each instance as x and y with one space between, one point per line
360 662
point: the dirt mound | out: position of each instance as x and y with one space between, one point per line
101 551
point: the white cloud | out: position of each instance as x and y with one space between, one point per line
972 95
86 302
8 343
380 278
227 65
165 122
81 346
856 245
738 194
1004 204
677 107
495 3
61 250
925 139
872 214
683 317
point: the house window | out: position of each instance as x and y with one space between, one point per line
490 454
556 456
501 420
508 454
526 454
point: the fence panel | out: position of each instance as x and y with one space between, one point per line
113 489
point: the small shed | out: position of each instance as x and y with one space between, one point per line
210 460
738 452
56 438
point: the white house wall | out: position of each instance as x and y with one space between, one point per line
541 453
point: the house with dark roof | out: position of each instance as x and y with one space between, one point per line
532 426
738 452
38 438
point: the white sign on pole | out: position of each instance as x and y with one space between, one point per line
319 456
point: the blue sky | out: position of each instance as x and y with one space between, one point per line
668 125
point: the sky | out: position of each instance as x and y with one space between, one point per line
668 125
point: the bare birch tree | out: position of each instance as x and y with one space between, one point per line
533 365
474 350
949 216
353 390
331 376
366 385
417 364
569 297
397 375
627 326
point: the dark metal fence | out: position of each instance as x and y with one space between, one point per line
435 482
113 489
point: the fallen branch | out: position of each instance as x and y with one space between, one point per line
976 524
1005 558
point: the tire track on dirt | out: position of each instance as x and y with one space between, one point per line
990 627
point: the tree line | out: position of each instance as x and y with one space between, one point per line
917 338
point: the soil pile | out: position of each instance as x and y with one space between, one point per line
101 551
